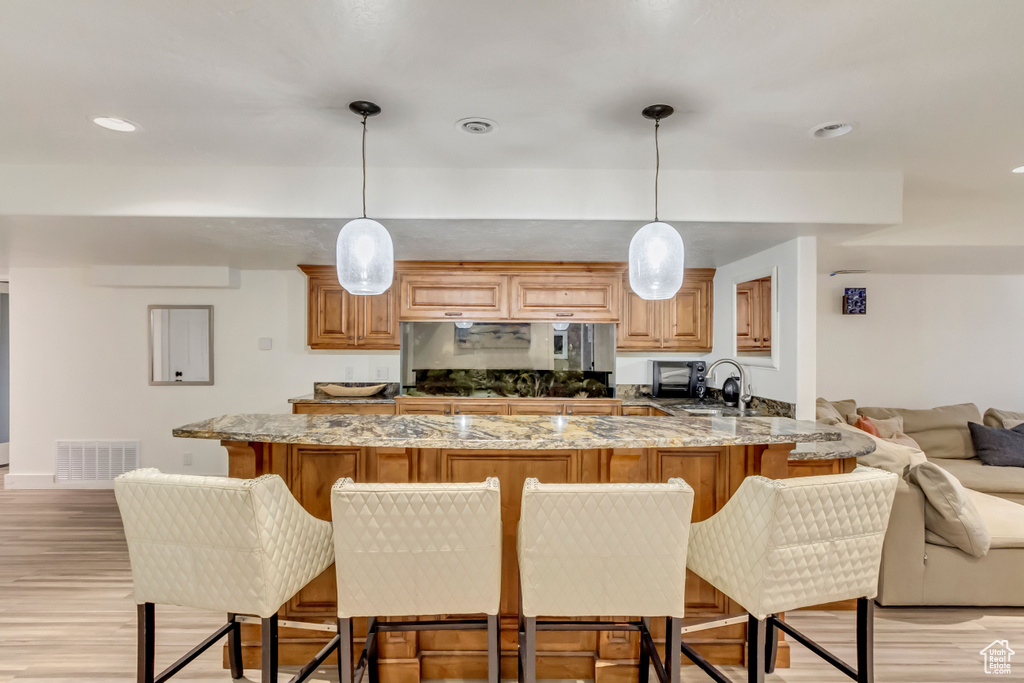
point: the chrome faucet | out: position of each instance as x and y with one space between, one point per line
744 401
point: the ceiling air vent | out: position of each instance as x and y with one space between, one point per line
95 460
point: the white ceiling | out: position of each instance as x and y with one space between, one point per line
937 87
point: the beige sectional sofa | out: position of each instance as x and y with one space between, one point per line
916 570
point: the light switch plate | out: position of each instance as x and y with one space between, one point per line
266 343
382 373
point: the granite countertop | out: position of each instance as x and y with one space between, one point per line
511 432
850 446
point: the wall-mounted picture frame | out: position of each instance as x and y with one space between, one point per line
855 301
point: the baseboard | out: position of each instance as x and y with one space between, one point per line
46 481
5 454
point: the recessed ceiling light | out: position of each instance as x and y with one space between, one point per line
114 123
1019 169
833 129
476 125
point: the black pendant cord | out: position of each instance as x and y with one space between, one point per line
365 166
657 167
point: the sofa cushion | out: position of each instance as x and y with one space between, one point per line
826 412
941 432
1002 418
866 424
1004 519
998 447
834 412
1005 482
949 512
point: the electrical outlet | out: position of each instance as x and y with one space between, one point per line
382 373
186 459
350 373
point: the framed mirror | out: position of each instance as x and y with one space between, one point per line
756 297
180 345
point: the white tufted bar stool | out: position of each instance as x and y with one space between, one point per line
603 550
779 545
240 546
406 550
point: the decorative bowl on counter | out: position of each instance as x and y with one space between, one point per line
352 392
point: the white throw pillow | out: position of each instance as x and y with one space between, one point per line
949 512
891 429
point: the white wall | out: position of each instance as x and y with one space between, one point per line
793 334
927 340
79 366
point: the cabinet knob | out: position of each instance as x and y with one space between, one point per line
453 314
757 339
568 411
447 412
360 339
456 411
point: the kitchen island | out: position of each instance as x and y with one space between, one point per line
713 454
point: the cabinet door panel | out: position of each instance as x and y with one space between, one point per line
453 296
423 407
747 315
479 408
378 322
331 316
688 316
766 313
590 297
535 406
552 467
314 471
640 326
593 407
707 473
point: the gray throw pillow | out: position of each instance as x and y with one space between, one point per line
998 447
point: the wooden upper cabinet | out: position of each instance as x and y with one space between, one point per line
339 320
451 295
754 316
682 323
588 297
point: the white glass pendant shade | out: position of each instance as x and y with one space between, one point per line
561 327
366 257
656 261
463 326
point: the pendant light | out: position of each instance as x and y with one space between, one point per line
656 250
365 254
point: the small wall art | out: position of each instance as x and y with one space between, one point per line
855 301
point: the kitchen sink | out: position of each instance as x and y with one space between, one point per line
721 412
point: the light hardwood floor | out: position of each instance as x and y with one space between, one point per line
66 612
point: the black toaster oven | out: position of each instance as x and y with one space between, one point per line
678 379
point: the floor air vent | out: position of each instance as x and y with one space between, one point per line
95 460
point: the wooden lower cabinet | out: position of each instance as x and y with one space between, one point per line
343 408
310 471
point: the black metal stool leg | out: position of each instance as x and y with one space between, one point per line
771 644
755 650
371 650
865 640
673 644
645 656
235 647
147 641
493 649
268 668
345 650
